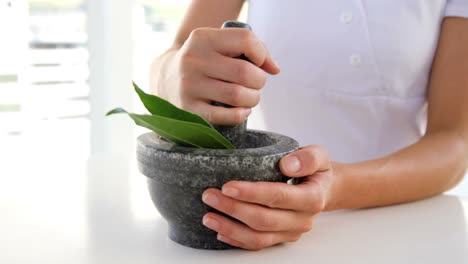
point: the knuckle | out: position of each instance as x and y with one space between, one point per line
313 163
318 204
187 57
253 46
227 230
278 198
310 155
230 208
255 98
208 115
307 226
322 151
317 150
198 33
262 80
258 242
234 93
243 72
238 116
249 38
263 222
295 238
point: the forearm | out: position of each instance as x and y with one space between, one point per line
433 165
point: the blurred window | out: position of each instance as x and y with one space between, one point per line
58 59
44 66
155 26
13 47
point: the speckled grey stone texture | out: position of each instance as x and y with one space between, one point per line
177 177
235 134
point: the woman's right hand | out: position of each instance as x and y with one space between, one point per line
205 69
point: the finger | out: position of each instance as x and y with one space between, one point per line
234 42
305 161
235 71
224 92
255 216
219 115
270 65
230 241
240 235
304 197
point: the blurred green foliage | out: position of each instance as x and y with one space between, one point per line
9 108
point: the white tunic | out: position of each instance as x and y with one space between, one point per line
354 73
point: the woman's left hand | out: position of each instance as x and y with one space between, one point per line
270 212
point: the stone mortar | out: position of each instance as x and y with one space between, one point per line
177 177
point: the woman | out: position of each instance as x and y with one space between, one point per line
381 86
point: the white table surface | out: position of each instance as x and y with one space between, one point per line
98 211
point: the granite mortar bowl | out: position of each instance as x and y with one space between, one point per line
177 177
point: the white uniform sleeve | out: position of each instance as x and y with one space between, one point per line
457 8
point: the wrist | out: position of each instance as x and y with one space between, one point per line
163 80
336 192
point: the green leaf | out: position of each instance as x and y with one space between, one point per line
161 107
180 132
117 110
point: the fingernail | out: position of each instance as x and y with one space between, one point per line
292 164
222 238
229 191
211 223
210 199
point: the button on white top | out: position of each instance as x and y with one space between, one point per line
351 96
346 17
355 60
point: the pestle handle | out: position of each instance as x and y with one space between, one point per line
236 134
237 24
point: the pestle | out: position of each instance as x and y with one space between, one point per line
235 134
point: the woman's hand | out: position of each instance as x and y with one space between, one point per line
272 213
204 70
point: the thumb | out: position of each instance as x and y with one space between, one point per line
270 65
305 161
